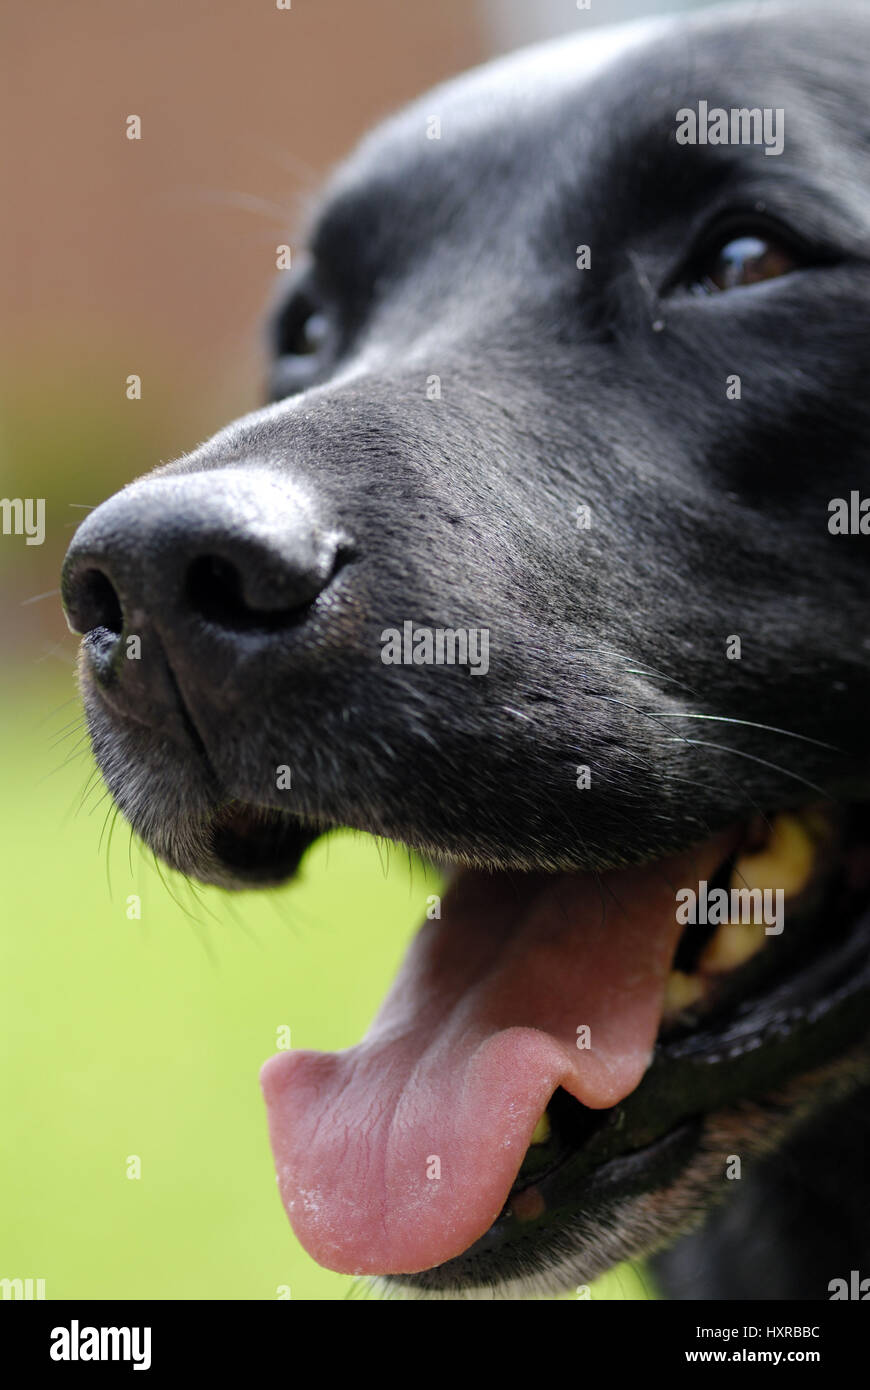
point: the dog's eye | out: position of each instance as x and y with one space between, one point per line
312 335
742 261
303 331
303 342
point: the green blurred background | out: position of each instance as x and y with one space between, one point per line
119 1036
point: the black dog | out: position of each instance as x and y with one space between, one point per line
537 564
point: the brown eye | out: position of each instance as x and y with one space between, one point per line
745 260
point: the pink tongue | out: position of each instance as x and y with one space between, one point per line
397 1154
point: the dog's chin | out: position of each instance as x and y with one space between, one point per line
233 844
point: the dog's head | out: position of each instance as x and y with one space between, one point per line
535 564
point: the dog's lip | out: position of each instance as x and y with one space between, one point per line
233 840
538 1233
257 845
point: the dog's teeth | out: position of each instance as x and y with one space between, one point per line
785 862
734 943
782 857
681 991
541 1132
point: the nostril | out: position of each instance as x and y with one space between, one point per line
93 602
259 587
215 591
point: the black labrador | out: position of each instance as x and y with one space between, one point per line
548 559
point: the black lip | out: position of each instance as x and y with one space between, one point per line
541 1240
243 844
258 845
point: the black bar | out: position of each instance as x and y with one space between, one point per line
642 1338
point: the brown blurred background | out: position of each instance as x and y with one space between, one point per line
166 245
157 256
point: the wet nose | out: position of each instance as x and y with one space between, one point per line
234 549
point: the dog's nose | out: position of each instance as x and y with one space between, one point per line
235 549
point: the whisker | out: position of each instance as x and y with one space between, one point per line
55 710
651 671
196 892
750 724
98 803
247 931
109 851
774 767
95 772
57 652
49 593
72 756
76 727
242 202
92 782
680 738
112 808
203 940
662 675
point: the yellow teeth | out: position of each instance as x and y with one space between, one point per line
681 991
785 862
734 943
541 1132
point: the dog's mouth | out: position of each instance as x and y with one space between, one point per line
553 1042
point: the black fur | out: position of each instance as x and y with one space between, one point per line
454 258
